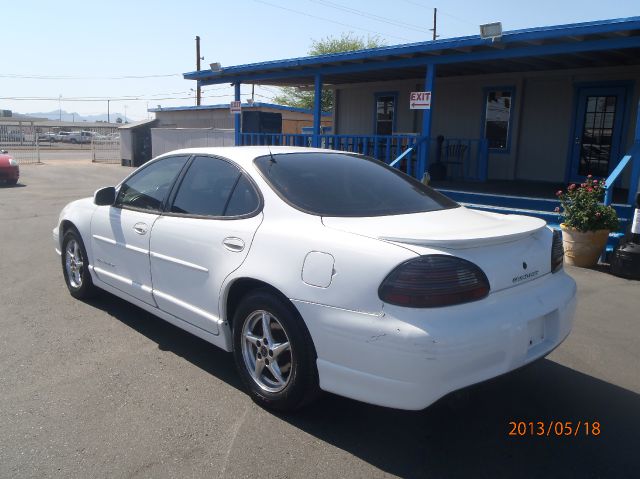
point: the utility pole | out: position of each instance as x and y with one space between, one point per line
435 23
108 112
198 58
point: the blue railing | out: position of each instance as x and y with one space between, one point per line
463 158
615 174
383 147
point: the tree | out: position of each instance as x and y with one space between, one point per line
118 120
347 42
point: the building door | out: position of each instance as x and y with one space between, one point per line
597 132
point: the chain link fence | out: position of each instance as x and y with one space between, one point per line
31 141
21 140
106 149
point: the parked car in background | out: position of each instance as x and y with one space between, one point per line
80 137
61 137
9 168
48 136
323 270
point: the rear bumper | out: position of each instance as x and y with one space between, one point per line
408 358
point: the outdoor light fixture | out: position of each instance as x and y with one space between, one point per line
491 30
215 67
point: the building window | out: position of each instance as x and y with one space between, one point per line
385 113
497 117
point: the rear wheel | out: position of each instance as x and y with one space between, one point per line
75 266
274 353
12 182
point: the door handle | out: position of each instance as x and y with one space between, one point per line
233 244
140 228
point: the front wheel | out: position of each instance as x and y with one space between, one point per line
75 266
273 352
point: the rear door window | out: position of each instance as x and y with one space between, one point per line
207 187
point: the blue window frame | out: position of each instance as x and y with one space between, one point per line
385 111
497 117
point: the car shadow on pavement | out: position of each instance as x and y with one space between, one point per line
168 337
468 436
465 434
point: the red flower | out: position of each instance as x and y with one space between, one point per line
559 193
584 185
595 182
589 176
557 210
572 187
590 189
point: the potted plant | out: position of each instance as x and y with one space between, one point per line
586 222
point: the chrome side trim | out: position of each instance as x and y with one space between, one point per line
187 306
186 264
121 245
122 279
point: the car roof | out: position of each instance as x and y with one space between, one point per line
244 155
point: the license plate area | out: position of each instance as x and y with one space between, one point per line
536 329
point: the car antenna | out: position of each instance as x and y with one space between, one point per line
273 160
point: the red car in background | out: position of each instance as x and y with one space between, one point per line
9 169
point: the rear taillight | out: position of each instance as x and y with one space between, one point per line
433 281
557 251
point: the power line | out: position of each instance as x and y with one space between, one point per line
68 77
103 99
370 15
329 20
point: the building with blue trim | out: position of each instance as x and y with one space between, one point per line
539 106
542 104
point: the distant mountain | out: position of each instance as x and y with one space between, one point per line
72 116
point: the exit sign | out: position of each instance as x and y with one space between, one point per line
235 107
420 100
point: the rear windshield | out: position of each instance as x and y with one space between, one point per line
342 184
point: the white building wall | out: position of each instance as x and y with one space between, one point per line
542 114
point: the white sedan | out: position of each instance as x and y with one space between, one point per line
323 270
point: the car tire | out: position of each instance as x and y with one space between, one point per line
277 376
74 141
12 182
75 266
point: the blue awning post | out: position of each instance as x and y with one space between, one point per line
237 119
634 185
423 161
317 110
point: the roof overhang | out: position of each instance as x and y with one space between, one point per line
580 45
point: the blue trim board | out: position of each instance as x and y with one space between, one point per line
493 54
525 35
485 94
225 106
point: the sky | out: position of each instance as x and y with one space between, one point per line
61 54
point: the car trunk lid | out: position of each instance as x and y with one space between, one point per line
510 249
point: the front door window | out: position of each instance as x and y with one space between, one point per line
597 135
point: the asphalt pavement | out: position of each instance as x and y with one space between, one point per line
104 389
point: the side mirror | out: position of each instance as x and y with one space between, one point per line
105 196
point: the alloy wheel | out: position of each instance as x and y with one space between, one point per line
266 351
73 263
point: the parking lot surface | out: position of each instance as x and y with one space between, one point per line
104 389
